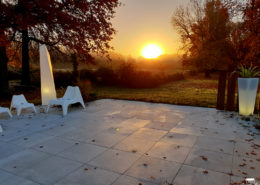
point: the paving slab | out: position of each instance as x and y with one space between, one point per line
154 170
82 152
115 160
192 175
168 151
89 175
50 170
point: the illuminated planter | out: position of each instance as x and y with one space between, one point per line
247 88
48 91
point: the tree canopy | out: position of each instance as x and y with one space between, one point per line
79 26
204 30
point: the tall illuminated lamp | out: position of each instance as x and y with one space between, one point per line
247 89
48 91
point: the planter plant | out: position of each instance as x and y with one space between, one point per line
247 88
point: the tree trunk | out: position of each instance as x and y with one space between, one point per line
4 85
207 73
221 90
75 65
25 59
232 82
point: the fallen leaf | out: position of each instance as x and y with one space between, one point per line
25 138
252 168
230 174
152 177
134 151
204 158
86 169
205 172
41 146
93 140
76 143
145 165
14 166
242 165
244 173
164 157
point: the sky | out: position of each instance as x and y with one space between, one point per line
140 22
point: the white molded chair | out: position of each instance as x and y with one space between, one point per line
71 96
3 110
19 102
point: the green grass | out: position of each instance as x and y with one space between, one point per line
194 92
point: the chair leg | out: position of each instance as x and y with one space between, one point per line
34 109
48 108
65 109
8 111
83 105
19 110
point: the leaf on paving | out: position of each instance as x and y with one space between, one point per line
244 173
205 172
247 153
244 160
41 146
253 153
248 140
252 168
170 136
145 165
25 138
204 158
117 153
146 154
134 151
258 159
152 177
14 166
93 140
86 169
140 184
232 141
242 165
164 157
230 174
76 143
221 150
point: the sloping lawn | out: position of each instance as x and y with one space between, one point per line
194 92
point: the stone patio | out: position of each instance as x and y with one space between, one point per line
116 142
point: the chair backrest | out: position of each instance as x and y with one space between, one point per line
73 93
18 100
69 94
77 94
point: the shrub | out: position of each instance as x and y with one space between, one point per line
64 79
85 88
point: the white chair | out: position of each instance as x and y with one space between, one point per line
71 96
3 110
19 102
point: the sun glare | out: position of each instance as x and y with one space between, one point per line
152 51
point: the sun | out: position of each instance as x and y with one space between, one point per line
151 51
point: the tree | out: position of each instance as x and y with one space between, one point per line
205 31
251 30
77 26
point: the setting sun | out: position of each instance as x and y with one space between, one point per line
152 51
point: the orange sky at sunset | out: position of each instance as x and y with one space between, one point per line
142 22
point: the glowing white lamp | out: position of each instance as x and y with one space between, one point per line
48 91
247 88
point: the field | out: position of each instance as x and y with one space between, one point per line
194 92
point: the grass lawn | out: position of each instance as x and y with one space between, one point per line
194 92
